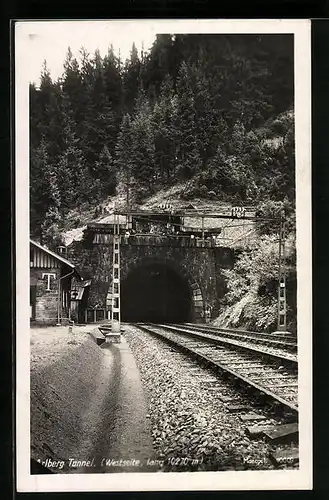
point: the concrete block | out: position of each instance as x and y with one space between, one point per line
282 432
113 338
104 329
251 416
206 381
97 336
255 431
225 399
233 408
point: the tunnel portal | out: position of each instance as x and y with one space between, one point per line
155 293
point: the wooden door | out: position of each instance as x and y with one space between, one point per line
33 300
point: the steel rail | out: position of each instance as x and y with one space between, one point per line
217 365
274 339
238 330
233 343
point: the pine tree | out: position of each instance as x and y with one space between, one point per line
43 187
142 146
112 80
187 151
73 89
131 80
211 129
114 95
105 169
47 117
73 176
45 196
124 153
50 229
163 120
45 90
157 65
100 126
35 116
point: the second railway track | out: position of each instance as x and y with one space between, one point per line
279 342
271 372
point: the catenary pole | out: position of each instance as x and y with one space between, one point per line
116 310
282 298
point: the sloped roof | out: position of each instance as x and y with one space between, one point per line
109 219
53 254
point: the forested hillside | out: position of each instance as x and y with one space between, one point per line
212 114
213 111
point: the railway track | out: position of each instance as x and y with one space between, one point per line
271 372
238 343
274 340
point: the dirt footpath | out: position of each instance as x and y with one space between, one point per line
88 412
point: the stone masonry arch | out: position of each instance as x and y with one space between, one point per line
200 267
197 300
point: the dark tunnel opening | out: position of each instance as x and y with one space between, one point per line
155 293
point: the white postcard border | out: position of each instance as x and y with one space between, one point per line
240 480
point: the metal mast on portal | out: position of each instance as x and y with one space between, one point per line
115 311
282 297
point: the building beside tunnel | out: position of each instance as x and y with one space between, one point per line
79 299
56 288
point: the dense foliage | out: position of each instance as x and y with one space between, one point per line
251 300
252 297
212 110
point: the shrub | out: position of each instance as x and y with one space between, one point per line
203 191
253 283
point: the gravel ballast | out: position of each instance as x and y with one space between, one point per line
191 424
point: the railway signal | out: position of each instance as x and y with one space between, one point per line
282 298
